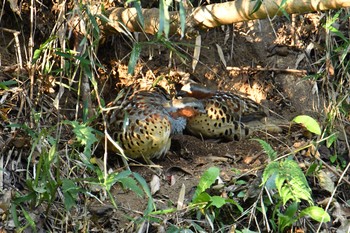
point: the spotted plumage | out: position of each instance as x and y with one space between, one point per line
226 114
145 121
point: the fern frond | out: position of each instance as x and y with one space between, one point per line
269 175
267 148
292 184
289 179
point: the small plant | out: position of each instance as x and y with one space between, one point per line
202 198
210 205
129 180
336 83
162 36
42 177
52 175
287 178
205 206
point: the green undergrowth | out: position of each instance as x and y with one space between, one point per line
61 177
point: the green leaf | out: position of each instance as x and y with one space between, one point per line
164 18
241 182
14 214
45 45
25 198
283 10
331 139
183 16
239 207
95 27
85 135
40 188
288 218
137 5
5 85
130 183
333 158
241 194
161 18
134 57
272 169
29 219
83 60
295 186
330 27
312 169
207 179
197 227
292 209
175 229
70 193
52 154
69 200
284 190
284 221
203 197
256 7
115 177
285 13
267 148
316 213
67 54
143 183
217 201
344 52
290 181
309 123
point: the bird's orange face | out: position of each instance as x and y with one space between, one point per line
186 107
188 112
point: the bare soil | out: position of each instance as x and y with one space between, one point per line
280 86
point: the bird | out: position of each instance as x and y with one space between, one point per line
145 121
227 115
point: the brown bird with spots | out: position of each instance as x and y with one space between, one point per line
146 120
226 116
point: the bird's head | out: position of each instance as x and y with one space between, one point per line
186 107
196 90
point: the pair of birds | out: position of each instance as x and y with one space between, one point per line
146 120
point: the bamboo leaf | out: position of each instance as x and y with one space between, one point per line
182 12
197 52
137 5
134 57
221 54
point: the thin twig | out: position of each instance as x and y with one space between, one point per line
240 69
17 45
31 67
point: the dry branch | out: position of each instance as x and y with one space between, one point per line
271 69
214 15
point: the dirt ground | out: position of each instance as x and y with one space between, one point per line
281 88
276 79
